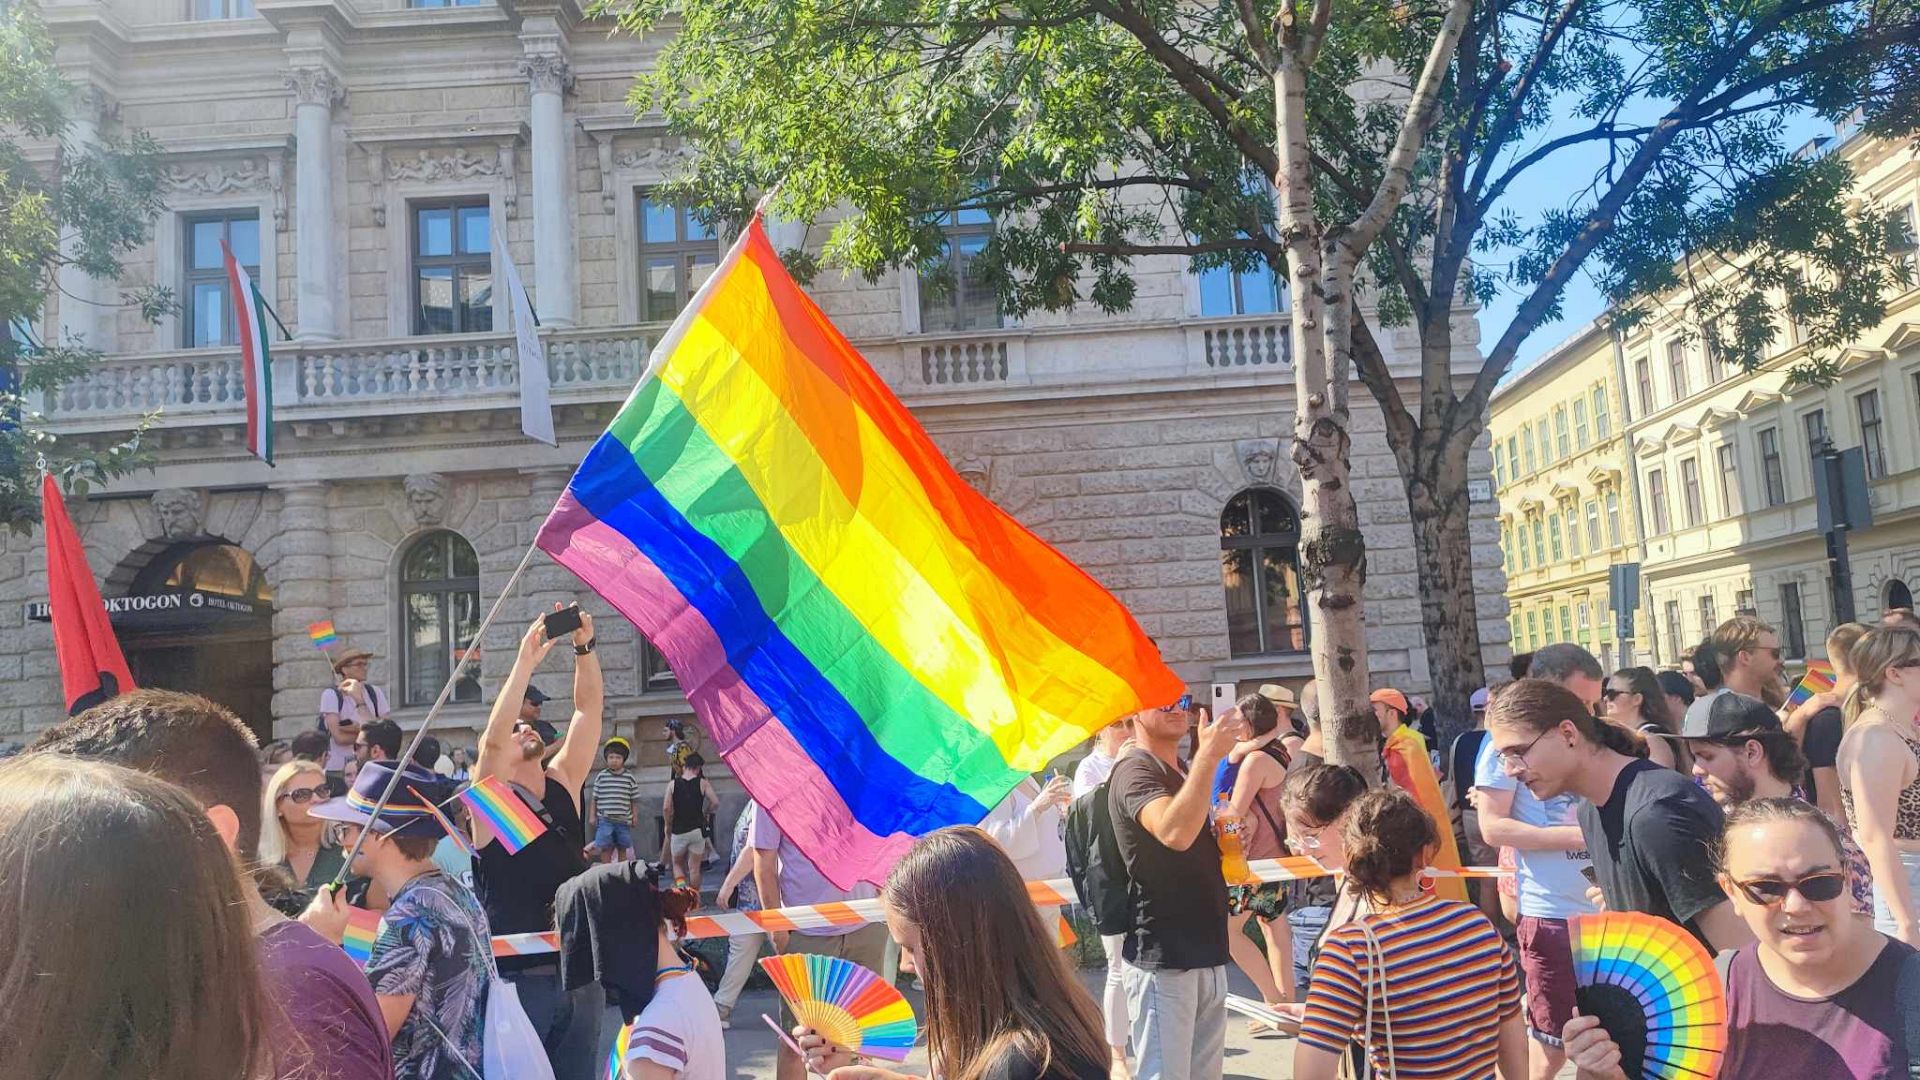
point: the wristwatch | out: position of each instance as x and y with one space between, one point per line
582 650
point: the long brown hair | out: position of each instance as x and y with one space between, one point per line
995 980
1878 651
129 947
1538 705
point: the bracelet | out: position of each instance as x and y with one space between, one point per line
582 650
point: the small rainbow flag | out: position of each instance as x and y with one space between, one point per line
1818 680
493 802
363 927
322 635
619 1054
454 832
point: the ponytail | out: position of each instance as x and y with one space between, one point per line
1538 705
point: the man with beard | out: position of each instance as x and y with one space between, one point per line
517 888
1741 753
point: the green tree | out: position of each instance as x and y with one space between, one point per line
1099 131
60 204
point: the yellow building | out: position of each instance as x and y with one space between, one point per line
1565 504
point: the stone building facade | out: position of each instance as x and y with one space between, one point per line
378 162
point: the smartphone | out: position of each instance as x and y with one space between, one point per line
562 622
1224 696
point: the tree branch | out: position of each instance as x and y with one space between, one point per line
1403 268
1261 245
1403 435
1257 37
1502 128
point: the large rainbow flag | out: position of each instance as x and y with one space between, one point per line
876 649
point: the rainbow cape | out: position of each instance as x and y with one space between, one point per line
511 819
876 649
363 928
1818 680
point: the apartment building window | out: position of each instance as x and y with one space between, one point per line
1643 376
1573 532
1226 291
677 255
1691 504
1602 419
1613 519
1533 629
1561 443
952 294
1708 620
1580 433
1729 479
1513 457
1674 635
1743 602
1583 620
1539 542
207 316
1499 466
655 674
1873 444
1593 526
1553 538
1793 630
452 267
1526 433
1657 499
206 10
1677 369
1260 569
1520 548
1566 623
1506 547
1816 425
1911 243
1773 479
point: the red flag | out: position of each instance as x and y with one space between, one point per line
92 668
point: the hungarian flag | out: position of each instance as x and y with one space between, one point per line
92 668
250 325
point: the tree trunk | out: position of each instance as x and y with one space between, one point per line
1439 509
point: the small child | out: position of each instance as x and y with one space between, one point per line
614 799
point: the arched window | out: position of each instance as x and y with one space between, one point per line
440 606
1260 568
1898 594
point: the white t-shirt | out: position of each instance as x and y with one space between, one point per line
680 1029
332 700
1092 771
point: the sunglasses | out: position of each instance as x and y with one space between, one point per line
1612 692
303 796
1816 888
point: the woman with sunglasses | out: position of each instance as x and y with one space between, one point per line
1634 699
1819 993
1879 764
299 844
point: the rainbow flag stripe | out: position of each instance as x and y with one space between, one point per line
512 820
876 649
363 928
621 1044
322 635
1818 680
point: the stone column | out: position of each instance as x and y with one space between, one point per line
315 92
87 304
301 571
555 271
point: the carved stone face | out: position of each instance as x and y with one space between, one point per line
426 498
180 512
1257 457
977 472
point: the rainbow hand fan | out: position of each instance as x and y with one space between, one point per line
1654 988
848 1005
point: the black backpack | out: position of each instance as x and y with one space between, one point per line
1093 862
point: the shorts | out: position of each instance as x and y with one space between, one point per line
1267 900
1546 956
691 842
612 835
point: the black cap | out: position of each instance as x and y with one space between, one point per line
1728 716
534 695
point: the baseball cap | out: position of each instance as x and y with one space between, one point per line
535 695
411 812
1279 695
1727 716
1394 700
1479 699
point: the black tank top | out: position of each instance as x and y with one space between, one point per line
517 890
689 805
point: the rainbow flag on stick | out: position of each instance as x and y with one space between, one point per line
1818 680
322 635
510 818
363 928
876 649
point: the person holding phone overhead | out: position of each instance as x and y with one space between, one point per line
547 772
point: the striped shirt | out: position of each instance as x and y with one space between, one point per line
1450 981
679 1029
613 795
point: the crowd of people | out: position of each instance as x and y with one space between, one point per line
1785 838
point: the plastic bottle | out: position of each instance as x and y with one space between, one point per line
1233 856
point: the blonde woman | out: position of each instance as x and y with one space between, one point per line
290 837
1879 763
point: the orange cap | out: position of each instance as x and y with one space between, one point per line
1394 700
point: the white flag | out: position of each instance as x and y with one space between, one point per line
536 411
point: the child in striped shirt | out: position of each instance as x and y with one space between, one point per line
612 796
1426 985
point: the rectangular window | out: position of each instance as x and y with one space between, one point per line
1539 542
1583 621
655 675
1911 244
207 10
1527 434
1593 526
1773 480
1506 548
1793 631
677 255
1708 620
1729 479
1561 444
952 294
1743 603
1873 443
1573 532
1691 504
1226 291
1677 369
1553 538
1674 648
1657 500
1525 552
1499 466
1613 519
1513 457
452 267
1566 623
1580 433
1643 375
1602 419
1816 425
206 299
1533 629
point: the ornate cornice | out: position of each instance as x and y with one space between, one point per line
265 172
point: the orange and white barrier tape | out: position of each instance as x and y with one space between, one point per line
849 913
